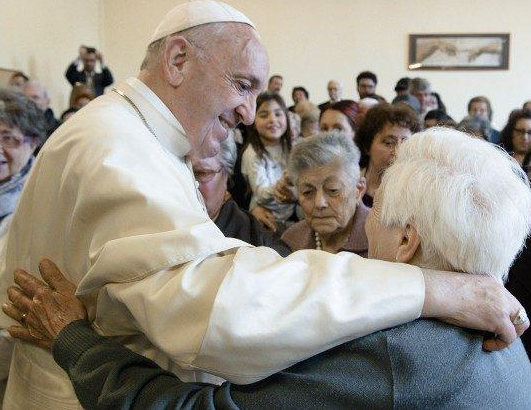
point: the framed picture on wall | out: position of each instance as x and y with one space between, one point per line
459 51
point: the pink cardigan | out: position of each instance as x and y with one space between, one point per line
301 236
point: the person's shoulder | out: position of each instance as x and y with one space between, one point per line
435 361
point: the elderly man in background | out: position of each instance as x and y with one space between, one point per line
483 197
275 84
335 91
113 201
39 95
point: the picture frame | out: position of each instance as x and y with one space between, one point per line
459 51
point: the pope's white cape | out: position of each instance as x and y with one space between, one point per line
117 209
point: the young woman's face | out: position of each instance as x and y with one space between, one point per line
270 122
522 136
333 120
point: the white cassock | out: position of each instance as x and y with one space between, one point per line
118 210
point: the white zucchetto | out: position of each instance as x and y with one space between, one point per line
195 13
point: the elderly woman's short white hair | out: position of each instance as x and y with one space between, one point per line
469 201
323 149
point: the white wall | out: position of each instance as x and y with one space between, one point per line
41 37
312 41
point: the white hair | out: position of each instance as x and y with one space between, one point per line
228 154
468 199
323 149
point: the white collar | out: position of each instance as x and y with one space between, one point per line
167 129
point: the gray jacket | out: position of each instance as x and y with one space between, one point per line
420 365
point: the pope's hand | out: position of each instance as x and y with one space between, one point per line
42 309
475 302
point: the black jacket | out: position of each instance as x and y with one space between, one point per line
101 80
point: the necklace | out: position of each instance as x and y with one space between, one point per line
318 244
126 98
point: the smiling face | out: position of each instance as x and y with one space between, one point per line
15 151
270 122
210 82
328 197
333 120
384 145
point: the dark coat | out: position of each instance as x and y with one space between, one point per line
420 365
100 80
234 222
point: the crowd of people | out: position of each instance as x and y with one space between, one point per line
396 181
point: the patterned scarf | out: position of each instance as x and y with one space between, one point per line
10 190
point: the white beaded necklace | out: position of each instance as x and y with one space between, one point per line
318 245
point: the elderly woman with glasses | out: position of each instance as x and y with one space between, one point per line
22 128
325 171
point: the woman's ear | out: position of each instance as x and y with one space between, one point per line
176 55
409 244
361 188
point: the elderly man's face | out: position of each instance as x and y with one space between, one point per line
212 183
424 97
15 151
334 91
38 95
328 197
223 88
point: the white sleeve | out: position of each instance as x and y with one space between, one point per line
254 170
249 314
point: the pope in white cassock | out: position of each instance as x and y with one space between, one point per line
112 200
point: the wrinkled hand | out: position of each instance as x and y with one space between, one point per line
284 190
48 307
475 302
265 217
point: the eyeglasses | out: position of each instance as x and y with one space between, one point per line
9 141
522 132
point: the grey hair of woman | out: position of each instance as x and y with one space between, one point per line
18 111
323 149
474 124
228 154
